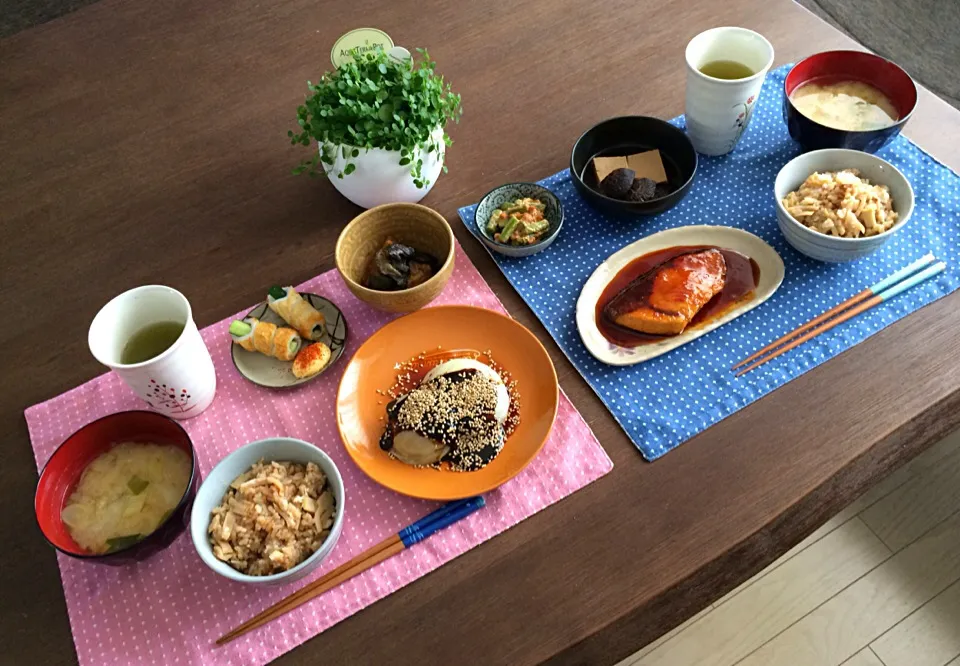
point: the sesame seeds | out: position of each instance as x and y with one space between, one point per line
513 416
455 410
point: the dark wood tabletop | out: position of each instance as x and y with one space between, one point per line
145 142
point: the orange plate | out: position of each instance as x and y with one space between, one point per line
371 369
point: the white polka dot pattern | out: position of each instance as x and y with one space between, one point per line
665 401
169 609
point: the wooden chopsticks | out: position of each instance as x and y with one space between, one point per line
919 271
414 533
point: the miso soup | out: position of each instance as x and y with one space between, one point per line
845 105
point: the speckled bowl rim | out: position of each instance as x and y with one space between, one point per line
554 227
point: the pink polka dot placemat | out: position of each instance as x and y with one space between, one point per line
170 609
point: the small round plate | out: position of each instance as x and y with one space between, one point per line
273 373
361 410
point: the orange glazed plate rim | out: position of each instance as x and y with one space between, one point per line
361 409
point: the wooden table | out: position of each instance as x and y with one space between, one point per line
146 142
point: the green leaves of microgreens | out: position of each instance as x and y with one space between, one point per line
374 101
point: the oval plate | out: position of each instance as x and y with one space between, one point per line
361 410
771 275
269 372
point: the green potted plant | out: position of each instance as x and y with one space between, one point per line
379 123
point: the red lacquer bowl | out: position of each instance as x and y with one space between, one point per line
62 473
835 66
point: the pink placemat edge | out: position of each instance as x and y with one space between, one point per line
401 575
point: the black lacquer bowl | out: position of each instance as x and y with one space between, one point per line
624 136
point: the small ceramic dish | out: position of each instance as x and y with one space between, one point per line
834 248
63 470
837 66
508 193
210 495
361 405
625 136
269 372
419 227
766 258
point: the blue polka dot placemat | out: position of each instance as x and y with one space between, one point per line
667 400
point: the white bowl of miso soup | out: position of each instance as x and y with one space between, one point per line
119 489
847 99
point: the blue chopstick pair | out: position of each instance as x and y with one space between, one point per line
895 284
445 516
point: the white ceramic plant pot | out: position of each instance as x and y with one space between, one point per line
378 177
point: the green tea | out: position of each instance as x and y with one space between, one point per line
150 341
726 69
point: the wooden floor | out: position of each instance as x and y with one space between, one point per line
877 585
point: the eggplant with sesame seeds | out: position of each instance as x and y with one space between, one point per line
456 414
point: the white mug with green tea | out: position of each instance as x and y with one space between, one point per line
147 336
725 70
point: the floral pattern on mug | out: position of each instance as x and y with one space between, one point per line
160 396
743 119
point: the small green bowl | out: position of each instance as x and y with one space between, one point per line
510 192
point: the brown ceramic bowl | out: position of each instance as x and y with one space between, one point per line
411 224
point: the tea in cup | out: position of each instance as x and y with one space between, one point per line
725 71
147 336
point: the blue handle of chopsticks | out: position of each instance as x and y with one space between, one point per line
432 516
912 281
460 509
891 280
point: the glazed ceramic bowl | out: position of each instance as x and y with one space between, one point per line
62 473
624 136
833 248
411 224
508 193
281 449
835 66
379 178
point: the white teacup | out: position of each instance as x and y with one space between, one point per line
718 110
180 382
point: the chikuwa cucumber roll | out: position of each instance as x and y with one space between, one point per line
242 332
261 336
297 311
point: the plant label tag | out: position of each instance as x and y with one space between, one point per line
364 39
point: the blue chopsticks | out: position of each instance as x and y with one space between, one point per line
446 515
